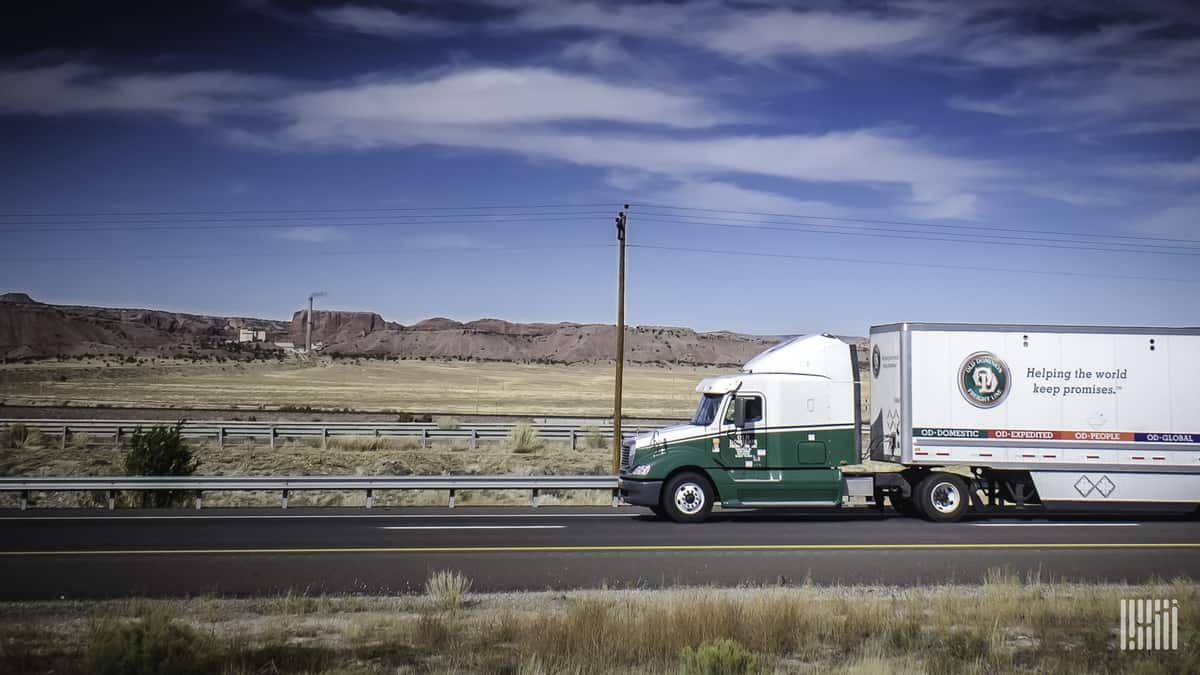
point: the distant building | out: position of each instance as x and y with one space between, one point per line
247 335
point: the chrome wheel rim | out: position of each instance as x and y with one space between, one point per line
689 498
945 497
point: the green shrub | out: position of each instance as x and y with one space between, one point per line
717 657
448 589
153 644
524 438
160 451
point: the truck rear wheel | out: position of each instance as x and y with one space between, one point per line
942 497
688 498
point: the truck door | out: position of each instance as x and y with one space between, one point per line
745 450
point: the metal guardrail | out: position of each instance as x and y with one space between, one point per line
222 430
287 484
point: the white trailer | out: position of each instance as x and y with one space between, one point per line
1057 415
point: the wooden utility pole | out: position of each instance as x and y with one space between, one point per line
308 322
616 455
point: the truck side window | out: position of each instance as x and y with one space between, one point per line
754 409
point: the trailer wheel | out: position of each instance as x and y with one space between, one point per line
942 497
688 498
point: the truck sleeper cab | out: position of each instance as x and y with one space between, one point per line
773 434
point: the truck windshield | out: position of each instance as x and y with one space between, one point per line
706 410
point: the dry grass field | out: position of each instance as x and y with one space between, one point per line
346 456
1002 625
367 385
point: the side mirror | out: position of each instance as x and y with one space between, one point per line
739 412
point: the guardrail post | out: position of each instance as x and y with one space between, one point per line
324 438
62 445
117 437
24 499
112 500
451 504
370 498
285 498
199 501
424 437
220 438
533 498
272 433
573 439
474 438
616 500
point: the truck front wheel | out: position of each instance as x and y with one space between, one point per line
687 498
942 497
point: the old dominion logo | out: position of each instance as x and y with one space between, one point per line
983 380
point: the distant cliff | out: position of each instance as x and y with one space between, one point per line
32 329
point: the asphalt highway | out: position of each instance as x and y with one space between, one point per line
91 554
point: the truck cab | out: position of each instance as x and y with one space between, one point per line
773 434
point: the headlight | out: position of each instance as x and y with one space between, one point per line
640 470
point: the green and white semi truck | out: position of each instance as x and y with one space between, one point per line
961 417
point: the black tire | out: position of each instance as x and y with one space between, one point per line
688 497
942 497
905 507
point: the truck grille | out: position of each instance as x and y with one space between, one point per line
626 454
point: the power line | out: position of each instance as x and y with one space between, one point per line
289 224
301 254
996 241
507 218
878 221
89 214
869 261
1081 238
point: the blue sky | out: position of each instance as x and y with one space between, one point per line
827 165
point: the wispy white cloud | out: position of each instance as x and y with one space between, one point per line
598 53
739 32
1169 172
488 96
721 195
313 234
1177 221
75 87
385 22
1074 196
442 241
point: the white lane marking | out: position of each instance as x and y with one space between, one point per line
1057 524
316 516
472 527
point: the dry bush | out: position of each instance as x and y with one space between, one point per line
448 589
447 423
524 438
20 436
364 443
594 438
